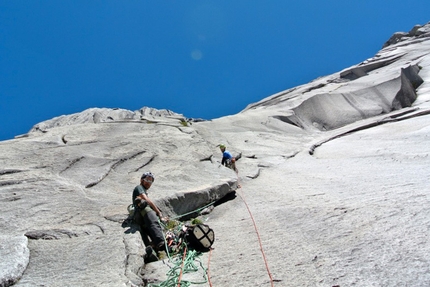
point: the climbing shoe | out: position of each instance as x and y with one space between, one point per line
150 255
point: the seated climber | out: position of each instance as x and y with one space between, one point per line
146 213
227 159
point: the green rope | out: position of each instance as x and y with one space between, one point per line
189 261
194 211
188 266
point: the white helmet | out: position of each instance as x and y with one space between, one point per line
146 174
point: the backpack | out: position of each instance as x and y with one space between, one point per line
200 237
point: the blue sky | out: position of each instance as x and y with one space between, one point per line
203 59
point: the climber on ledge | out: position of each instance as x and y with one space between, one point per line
227 159
146 213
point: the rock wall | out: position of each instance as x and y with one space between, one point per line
333 180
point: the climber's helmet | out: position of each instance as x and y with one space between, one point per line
146 175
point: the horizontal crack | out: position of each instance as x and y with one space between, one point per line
56 234
10 199
209 158
390 119
50 234
9 171
10 182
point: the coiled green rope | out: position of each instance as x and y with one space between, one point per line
184 265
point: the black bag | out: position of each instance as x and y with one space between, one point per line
200 237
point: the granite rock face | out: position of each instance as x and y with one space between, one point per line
103 115
377 86
15 257
333 176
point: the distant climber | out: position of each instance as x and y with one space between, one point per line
145 215
227 159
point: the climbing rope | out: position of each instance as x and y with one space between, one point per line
242 196
208 270
181 264
182 267
186 263
194 211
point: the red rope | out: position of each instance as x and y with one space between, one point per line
182 267
209 260
258 235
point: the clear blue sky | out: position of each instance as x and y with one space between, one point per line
203 59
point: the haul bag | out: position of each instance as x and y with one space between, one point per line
200 237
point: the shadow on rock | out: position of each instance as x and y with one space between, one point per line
132 227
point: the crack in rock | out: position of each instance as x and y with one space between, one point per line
10 182
50 234
114 165
209 158
10 199
362 70
9 171
255 175
57 234
392 118
145 164
72 163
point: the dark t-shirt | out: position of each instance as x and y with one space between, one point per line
143 208
138 190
